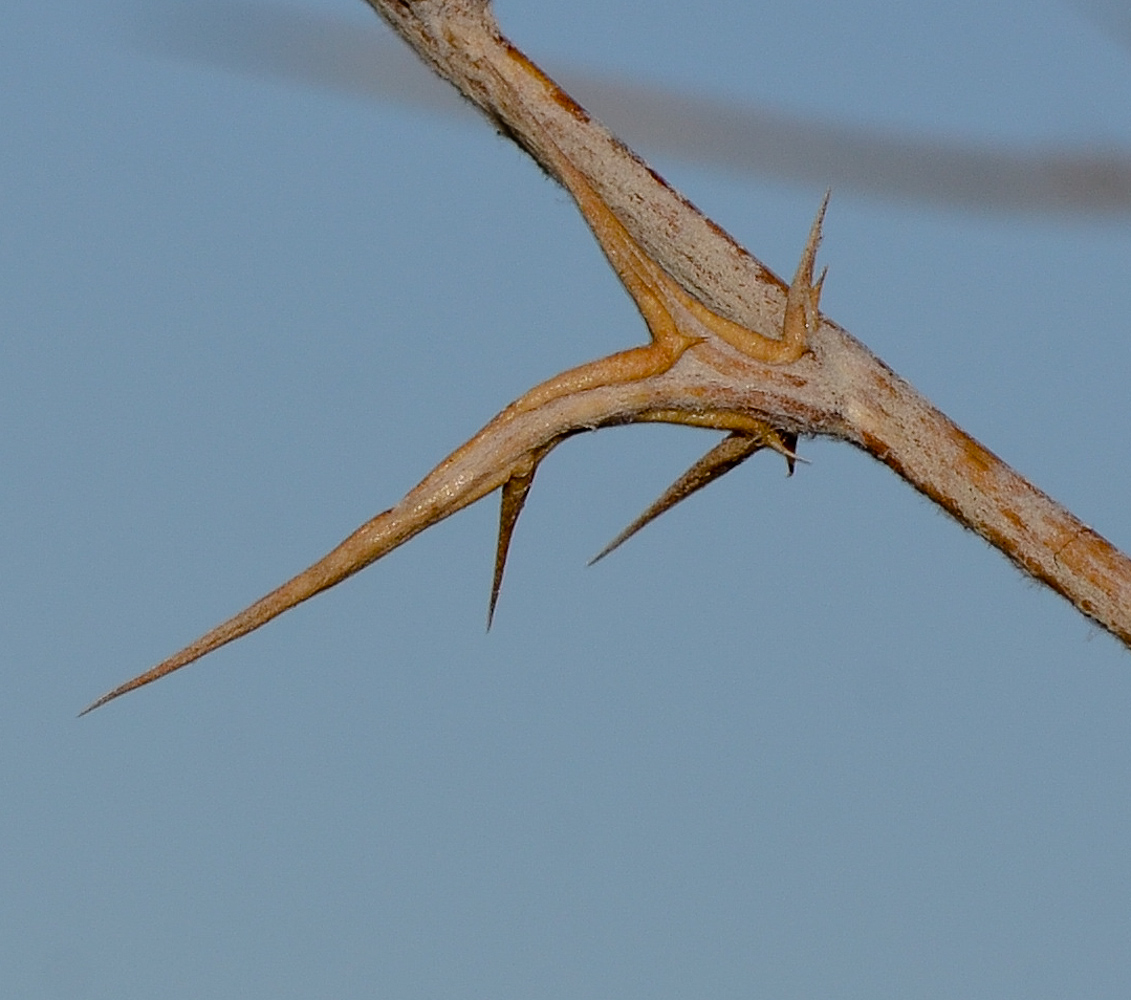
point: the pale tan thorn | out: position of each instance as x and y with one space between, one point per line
802 314
367 544
729 453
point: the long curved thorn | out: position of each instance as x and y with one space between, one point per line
367 544
730 452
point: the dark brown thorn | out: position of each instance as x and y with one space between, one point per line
790 450
731 451
514 493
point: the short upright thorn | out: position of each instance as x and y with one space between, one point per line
802 315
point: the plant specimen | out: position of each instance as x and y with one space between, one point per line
732 347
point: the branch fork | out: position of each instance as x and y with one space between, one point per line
731 348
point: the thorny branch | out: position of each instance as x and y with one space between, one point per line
732 348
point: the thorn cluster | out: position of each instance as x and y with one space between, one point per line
677 321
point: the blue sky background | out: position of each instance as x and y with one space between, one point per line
855 755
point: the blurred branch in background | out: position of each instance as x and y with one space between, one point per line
366 61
